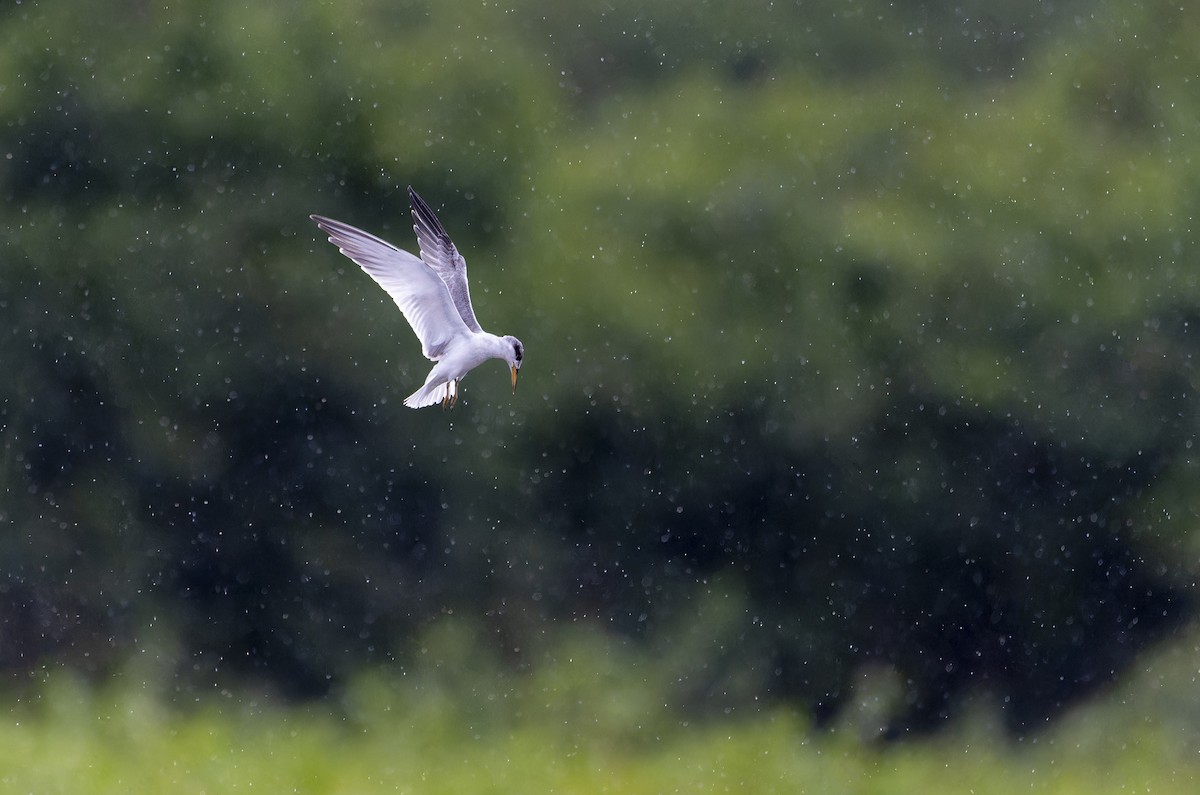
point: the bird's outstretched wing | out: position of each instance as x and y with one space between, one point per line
439 253
418 291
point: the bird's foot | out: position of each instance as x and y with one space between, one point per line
450 397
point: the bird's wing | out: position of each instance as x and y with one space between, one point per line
439 253
417 290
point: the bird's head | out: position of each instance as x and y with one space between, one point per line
514 358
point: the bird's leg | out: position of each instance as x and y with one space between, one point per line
446 397
454 393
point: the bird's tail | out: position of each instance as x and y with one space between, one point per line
431 394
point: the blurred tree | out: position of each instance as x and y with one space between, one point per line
880 316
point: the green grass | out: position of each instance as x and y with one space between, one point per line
590 719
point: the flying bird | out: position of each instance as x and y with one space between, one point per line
432 293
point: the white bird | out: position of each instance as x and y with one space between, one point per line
432 293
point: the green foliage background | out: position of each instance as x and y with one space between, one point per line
805 287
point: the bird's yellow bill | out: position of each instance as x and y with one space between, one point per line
514 374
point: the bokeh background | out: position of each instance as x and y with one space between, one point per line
859 399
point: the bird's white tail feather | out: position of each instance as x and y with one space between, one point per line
430 394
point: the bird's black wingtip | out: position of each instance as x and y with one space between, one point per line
424 215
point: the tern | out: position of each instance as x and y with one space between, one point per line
432 293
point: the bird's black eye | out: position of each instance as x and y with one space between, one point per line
519 351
